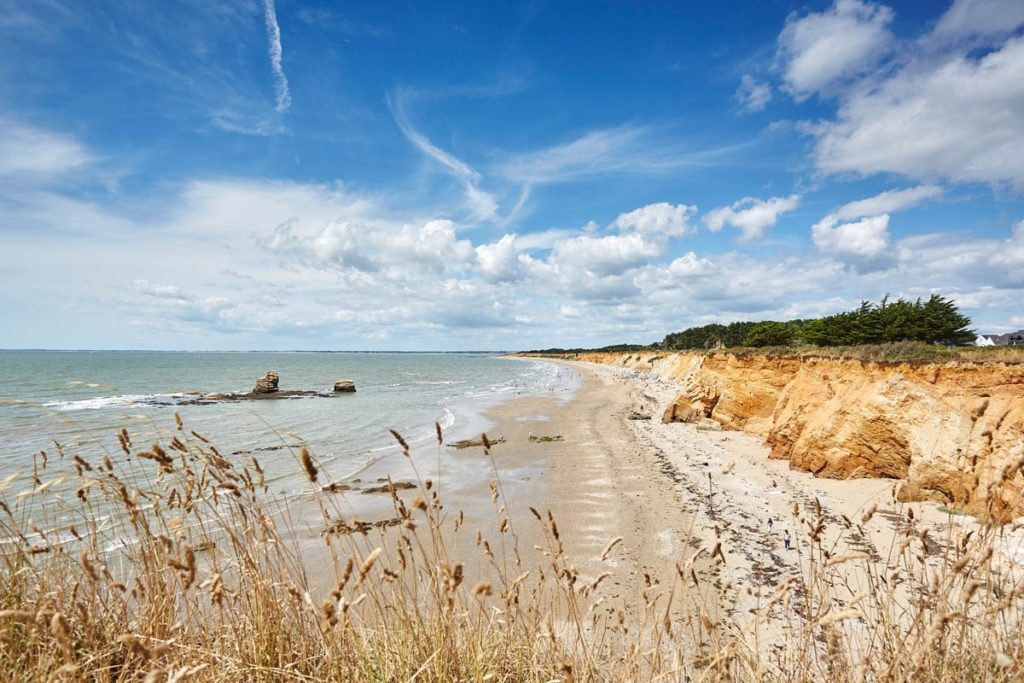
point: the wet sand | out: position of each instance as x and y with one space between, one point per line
573 454
600 483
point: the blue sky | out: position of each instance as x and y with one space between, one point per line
392 175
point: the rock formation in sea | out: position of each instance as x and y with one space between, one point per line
267 384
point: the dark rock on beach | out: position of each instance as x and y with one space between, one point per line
391 486
473 443
340 527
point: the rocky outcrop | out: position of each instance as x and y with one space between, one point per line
266 388
267 384
951 432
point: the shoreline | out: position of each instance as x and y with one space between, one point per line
683 499
729 484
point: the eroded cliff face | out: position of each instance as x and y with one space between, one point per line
952 432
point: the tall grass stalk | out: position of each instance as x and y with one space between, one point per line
172 562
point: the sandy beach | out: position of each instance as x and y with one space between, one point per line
685 499
673 491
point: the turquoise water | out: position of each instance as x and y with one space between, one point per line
81 399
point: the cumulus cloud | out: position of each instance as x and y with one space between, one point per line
945 105
821 49
963 118
318 265
957 118
604 256
284 98
864 243
752 94
499 261
397 251
658 220
750 215
967 18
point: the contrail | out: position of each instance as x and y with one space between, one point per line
284 98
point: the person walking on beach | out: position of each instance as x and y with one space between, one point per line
785 539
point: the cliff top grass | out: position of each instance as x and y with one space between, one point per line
896 352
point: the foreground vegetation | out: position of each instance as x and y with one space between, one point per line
172 562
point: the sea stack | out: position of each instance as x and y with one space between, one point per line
344 386
267 384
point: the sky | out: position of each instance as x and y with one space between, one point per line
291 174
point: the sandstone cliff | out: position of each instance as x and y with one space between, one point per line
951 432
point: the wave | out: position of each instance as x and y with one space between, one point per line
100 402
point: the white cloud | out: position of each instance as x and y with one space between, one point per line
378 282
26 150
886 202
604 256
284 98
482 205
967 18
397 252
569 312
595 152
658 220
689 265
170 301
632 149
1011 255
864 243
238 208
821 49
752 94
943 112
750 215
499 261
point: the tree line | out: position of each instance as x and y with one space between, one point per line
936 320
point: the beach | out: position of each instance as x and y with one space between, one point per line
680 497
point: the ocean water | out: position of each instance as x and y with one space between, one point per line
81 399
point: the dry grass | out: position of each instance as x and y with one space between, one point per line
897 352
172 563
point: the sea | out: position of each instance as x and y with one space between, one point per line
81 399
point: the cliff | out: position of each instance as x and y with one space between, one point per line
952 432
